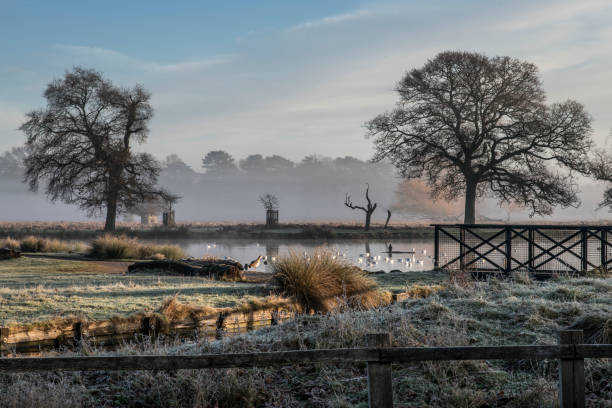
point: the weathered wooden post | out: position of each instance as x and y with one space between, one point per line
380 390
436 246
571 372
4 333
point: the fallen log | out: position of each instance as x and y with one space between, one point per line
215 269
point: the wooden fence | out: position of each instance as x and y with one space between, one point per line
32 339
378 354
541 249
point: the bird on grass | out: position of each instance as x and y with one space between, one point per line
254 264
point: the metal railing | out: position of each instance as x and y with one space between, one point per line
533 248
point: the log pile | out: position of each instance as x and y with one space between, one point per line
221 269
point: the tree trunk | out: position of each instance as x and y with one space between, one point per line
470 202
388 218
111 214
367 222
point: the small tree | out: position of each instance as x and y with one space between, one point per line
471 125
269 201
368 209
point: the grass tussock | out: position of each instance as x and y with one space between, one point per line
123 247
417 291
321 282
33 243
10 243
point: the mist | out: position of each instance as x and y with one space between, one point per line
311 190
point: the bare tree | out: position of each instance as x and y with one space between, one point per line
368 209
473 125
81 144
601 169
269 201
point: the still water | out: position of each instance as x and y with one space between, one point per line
354 251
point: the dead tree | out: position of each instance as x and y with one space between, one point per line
368 209
388 218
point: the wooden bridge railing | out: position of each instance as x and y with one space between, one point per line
512 247
378 355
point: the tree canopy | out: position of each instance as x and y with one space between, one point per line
473 125
80 145
219 162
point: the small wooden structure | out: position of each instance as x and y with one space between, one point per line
271 218
168 219
148 219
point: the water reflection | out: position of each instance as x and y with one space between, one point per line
368 254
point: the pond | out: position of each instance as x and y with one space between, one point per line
354 251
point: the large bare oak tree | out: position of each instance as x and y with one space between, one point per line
80 145
472 125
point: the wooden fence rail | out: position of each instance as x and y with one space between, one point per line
378 355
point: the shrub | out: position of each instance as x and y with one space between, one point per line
10 243
39 244
321 282
123 247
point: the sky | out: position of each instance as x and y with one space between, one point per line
288 77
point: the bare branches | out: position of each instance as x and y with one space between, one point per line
269 201
368 209
470 125
80 145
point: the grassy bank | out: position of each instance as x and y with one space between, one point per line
39 289
328 230
476 313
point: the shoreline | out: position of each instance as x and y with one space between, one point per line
242 231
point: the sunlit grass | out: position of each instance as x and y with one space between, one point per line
39 289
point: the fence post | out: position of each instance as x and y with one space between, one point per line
571 373
380 390
530 253
462 248
436 247
508 251
604 250
585 251
4 333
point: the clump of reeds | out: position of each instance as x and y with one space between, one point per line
33 243
10 243
123 247
321 282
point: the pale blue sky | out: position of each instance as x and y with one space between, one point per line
288 77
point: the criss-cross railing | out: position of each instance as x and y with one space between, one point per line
533 248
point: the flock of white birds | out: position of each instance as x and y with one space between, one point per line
414 259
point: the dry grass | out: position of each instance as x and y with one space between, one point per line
321 282
481 313
10 243
33 243
123 247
